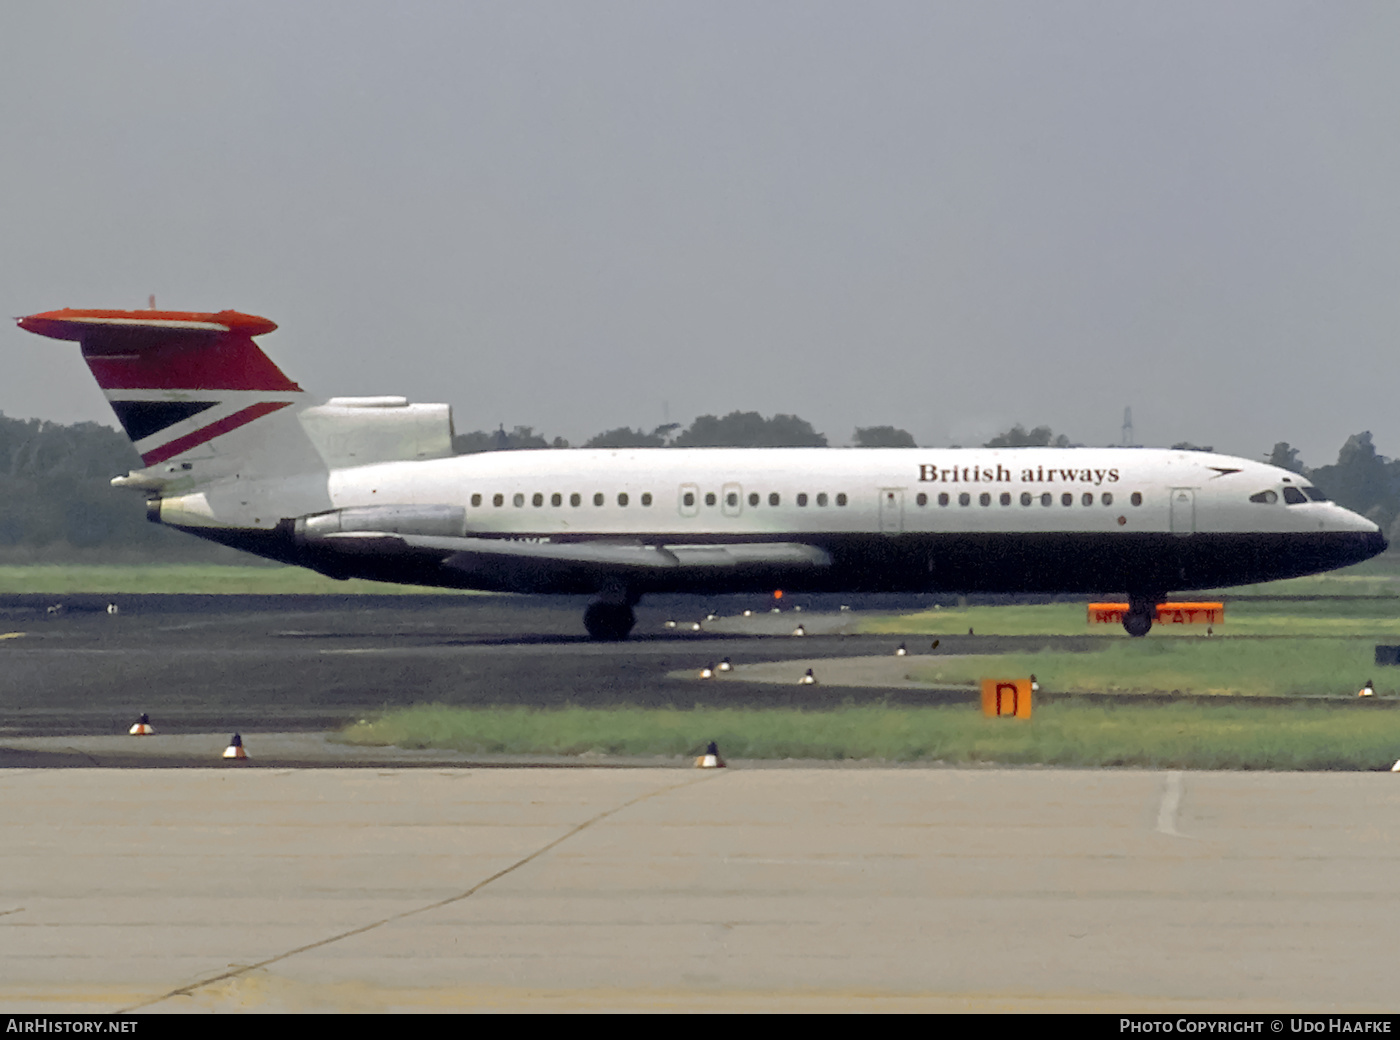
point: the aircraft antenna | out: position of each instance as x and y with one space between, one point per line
1129 441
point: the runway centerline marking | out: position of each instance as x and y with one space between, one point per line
580 828
1170 805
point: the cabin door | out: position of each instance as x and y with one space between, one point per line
891 510
1183 511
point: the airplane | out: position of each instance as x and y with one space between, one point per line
368 487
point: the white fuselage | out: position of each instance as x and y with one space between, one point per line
792 493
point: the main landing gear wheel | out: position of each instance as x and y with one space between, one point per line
608 622
1141 612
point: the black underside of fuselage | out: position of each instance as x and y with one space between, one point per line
915 562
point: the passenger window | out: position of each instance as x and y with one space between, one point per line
710 498
1026 498
1266 497
1137 498
1108 498
498 500
646 498
964 499
821 499
689 498
841 499
556 499
922 499
732 499
753 498
985 499
575 499
1046 499
598 498
773 499
1066 499
476 501
622 499
1006 498
519 500
1293 496
943 499
1088 499
802 499
537 500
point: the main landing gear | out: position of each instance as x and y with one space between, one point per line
609 618
1141 612
608 622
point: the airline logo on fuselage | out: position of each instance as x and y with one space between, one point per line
931 474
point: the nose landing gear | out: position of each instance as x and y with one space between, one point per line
1142 610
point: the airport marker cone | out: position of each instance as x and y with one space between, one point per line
799 631
235 748
807 680
1367 691
142 728
725 666
710 759
1035 684
901 650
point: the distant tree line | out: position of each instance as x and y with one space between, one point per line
56 501
735 430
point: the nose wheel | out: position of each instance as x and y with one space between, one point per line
1142 610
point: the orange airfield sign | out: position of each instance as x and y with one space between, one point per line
1167 613
1006 698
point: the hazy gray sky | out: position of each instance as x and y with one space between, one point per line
944 216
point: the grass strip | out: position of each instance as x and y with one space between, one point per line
1375 619
1179 736
217 579
1203 667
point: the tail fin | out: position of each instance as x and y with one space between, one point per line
227 440
177 380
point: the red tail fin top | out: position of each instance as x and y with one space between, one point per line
167 350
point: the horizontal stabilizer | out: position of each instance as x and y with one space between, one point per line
137 328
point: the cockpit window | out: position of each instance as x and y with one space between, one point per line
1267 497
1314 494
1293 496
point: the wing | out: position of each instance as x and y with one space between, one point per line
582 566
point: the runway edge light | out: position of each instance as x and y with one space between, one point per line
710 759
